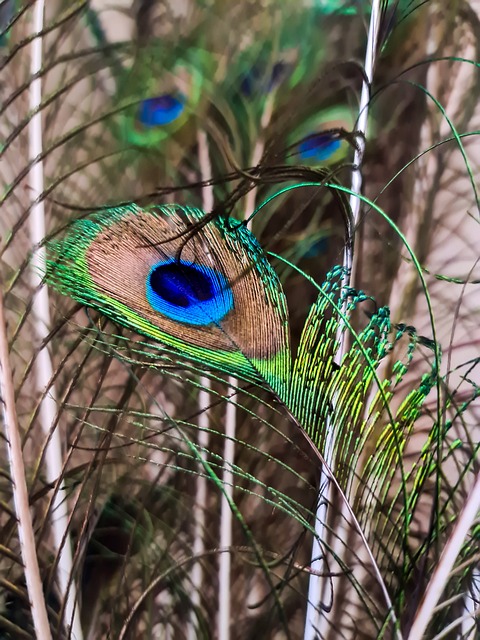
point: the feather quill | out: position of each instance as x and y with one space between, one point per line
41 313
204 400
316 593
450 553
19 489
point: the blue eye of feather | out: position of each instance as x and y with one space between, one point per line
320 146
161 110
261 80
317 248
188 293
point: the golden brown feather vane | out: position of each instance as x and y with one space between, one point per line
200 291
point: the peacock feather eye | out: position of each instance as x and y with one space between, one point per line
203 296
323 139
156 102
161 110
262 80
319 147
190 293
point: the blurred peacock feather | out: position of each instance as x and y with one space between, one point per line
192 182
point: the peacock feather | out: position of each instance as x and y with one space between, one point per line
206 314
200 297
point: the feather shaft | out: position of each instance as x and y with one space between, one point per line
231 428
19 489
449 555
226 520
41 314
204 399
317 584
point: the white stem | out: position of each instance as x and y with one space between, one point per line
224 603
471 607
19 489
450 553
41 315
204 399
200 507
315 624
230 432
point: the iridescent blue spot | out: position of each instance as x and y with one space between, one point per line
319 147
318 248
189 293
262 80
161 110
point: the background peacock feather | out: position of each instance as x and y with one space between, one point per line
197 165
